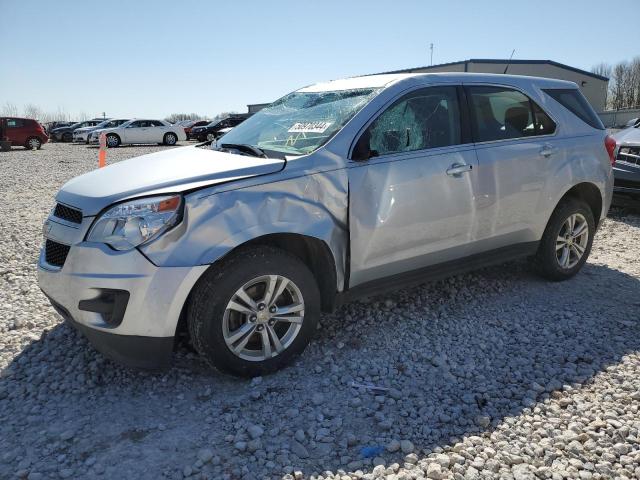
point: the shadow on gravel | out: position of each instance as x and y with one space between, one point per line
454 358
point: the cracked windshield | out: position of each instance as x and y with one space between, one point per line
300 122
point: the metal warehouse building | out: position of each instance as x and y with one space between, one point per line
594 87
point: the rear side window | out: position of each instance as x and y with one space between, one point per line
573 100
426 118
15 123
156 123
499 113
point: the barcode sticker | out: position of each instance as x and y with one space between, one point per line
309 127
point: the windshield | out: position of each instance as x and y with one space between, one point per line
300 122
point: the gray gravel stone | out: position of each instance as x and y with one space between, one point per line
492 374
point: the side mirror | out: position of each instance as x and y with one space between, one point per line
362 150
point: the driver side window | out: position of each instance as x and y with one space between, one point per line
423 119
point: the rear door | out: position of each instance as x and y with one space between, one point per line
515 144
411 203
17 131
156 131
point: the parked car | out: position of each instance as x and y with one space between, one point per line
211 131
627 167
65 134
337 190
81 135
24 132
195 124
140 131
53 125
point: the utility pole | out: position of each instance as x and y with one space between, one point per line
104 115
431 48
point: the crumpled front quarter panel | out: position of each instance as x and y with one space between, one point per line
314 205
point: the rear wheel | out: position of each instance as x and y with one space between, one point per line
255 312
33 143
566 242
170 138
113 140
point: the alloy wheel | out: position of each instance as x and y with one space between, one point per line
572 241
33 143
263 318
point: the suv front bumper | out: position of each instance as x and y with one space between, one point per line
143 334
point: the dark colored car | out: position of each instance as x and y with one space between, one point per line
23 132
198 123
212 130
65 134
626 169
53 125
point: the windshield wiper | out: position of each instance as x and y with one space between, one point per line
244 147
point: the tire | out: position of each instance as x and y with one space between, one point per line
210 320
551 260
67 137
33 143
113 140
170 138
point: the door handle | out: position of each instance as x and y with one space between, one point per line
457 169
547 151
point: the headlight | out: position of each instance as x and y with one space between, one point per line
130 224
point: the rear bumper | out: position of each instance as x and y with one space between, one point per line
130 350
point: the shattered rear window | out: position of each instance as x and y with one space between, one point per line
300 122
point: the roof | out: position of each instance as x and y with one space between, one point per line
503 61
367 81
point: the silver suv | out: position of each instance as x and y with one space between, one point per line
336 190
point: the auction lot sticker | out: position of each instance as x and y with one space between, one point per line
309 127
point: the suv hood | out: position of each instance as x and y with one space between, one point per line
628 136
170 171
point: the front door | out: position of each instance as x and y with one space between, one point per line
412 202
136 132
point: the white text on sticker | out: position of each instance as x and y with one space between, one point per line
309 127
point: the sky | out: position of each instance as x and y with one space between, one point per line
154 58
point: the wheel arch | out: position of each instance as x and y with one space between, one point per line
312 251
589 193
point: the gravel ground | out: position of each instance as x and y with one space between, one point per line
495 374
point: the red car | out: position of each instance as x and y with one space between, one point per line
23 132
189 126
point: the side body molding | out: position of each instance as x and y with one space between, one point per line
218 220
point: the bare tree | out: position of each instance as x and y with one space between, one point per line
603 69
624 85
32 111
9 110
178 117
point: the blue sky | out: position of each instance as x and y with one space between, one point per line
152 58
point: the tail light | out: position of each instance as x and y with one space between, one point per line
610 146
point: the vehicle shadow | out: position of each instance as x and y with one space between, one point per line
452 359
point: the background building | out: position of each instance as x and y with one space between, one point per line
594 87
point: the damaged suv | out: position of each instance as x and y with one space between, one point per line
336 190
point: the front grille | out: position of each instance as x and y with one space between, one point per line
69 214
55 253
629 155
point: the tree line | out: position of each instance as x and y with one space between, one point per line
31 110
624 83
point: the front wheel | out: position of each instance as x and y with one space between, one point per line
255 312
566 241
113 140
67 137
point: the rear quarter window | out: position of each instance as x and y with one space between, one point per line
573 100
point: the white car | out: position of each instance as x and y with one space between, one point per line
141 131
83 135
